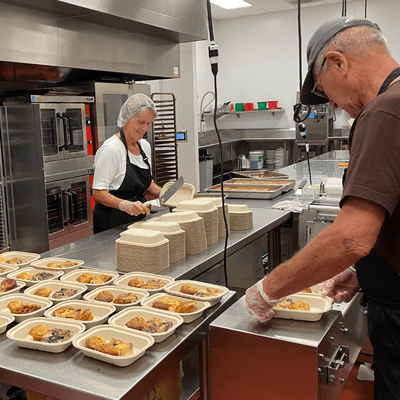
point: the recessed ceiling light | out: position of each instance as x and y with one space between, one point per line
230 4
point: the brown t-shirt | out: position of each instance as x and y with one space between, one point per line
374 166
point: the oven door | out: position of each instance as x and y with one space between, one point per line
68 206
74 130
77 203
51 124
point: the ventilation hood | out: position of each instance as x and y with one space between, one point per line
58 41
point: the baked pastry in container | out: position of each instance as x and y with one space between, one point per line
105 295
43 291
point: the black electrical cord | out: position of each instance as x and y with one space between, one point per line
365 9
298 107
344 8
300 49
213 54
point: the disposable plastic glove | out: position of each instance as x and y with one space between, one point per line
342 287
258 303
133 208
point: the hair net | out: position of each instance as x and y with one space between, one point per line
133 106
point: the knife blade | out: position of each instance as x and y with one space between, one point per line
171 190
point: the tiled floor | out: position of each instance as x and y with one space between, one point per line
355 389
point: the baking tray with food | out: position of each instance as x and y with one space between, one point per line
260 173
248 192
23 306
57 291
45 334
160 324
119 296
113 344
288 184
89 313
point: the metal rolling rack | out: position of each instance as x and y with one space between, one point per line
165 148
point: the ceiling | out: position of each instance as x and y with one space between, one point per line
265 6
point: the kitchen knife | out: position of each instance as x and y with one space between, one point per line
169 192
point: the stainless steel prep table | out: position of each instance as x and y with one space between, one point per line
72 375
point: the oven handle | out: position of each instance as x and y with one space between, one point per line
71 133
68 197
75 200
64 127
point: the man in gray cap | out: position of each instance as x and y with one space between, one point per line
350 67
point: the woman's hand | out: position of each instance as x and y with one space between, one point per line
133 208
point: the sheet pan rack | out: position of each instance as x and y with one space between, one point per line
165 148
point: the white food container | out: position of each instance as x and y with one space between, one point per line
116 291
29 257
100 311
33 271
199 307
5 319
25 298
20 334
6 269
318 306
124 279
124 316
56 286
43 262
74 275
17 289
174 289
141 342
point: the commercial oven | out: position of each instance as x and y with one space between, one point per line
63 126
68 206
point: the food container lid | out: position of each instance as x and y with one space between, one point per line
163 226
199 205
181 216
142 236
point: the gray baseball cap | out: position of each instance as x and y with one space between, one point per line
321 36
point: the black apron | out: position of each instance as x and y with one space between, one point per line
381 286
132 188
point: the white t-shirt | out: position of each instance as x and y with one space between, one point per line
110 163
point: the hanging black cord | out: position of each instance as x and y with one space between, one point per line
213 54
365 9
344 8
300 49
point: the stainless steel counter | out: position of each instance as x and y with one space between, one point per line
98 251
72 375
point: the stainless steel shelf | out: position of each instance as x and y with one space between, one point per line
239 113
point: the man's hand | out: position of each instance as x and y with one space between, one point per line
342 287
258 303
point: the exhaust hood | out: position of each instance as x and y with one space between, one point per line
58 41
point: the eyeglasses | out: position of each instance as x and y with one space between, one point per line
317 92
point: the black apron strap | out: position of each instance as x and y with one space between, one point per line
392 76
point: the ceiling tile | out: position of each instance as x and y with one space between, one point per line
275 7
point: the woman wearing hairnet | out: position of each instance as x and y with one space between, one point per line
122 175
